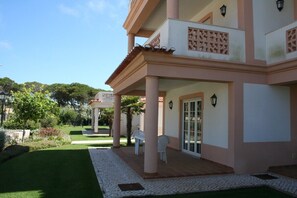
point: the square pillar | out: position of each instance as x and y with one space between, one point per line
172 9
151 126
96 113
117 121
131 42
92 116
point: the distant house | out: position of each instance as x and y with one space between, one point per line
227 72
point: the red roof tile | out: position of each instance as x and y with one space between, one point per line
133 53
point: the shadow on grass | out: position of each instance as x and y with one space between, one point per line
75 133
99 128
60 172
103 145
12 152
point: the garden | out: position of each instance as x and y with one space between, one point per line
38 123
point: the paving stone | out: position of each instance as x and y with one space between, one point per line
111 171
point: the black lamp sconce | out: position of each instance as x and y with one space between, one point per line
170 104
213 100
223 10
280 4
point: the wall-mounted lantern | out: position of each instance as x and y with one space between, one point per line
213 100
223 10
170 104
280 4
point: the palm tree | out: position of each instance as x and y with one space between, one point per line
131 105
107 114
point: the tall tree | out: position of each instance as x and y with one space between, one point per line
7 85
60 93
32 106
76 95
35 86
131 105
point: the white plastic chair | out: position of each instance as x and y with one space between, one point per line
163 141
138 135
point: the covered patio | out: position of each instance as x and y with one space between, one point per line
179 164
154 73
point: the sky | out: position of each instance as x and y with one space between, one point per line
62 41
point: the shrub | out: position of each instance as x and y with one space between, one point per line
67 115
48 137
49 121
47 132
42 139
37 142
12 123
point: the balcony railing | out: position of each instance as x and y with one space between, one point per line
200 40
282 44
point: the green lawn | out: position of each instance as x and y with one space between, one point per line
66 171
76 133
68 128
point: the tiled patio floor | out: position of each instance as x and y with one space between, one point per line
179 164
112 172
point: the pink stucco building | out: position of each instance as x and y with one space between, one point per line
246 57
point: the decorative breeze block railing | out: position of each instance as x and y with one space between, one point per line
208 41
291 40
155 42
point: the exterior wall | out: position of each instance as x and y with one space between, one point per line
230 20
276 43
270 20
213 134
266 113
160 119
135 123
269 134
105 96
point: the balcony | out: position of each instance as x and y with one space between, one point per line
282 44
200 40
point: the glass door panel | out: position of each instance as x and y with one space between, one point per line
199 127
186 126
192 126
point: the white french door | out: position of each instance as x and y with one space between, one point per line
192 126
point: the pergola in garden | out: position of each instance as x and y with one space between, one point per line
102 100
